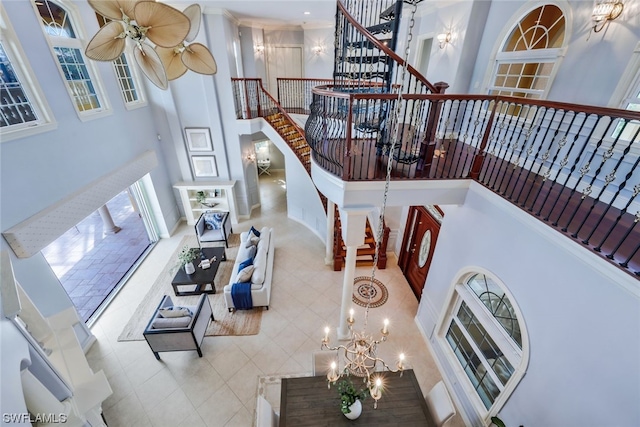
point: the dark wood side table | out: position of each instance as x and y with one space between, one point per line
307 402
201 281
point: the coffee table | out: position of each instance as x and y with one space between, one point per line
201 281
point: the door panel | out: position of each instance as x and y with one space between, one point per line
419 242
283 61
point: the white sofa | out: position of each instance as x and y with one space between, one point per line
262 273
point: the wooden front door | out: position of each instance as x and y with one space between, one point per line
418 243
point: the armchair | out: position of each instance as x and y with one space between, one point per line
178 333
213 227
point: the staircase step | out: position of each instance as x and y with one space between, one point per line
365 75
389 13
365 59
383 28
368 44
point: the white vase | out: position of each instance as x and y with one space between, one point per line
356 410
189 268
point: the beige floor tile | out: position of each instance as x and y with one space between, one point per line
220 388
218 409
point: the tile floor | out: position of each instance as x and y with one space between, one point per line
89 263
220 388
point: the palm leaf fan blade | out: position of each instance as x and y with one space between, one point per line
113 9
171 60
151 65
193 13
167 27
197 58
108 43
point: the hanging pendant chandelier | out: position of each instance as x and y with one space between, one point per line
136 22
360 354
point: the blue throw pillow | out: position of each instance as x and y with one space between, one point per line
213 220
245 263
254 231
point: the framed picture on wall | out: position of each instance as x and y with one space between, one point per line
204 166
198 139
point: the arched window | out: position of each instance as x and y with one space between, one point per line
23 110
65 42
525 64
483 333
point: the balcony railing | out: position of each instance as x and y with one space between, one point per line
295 95
573 167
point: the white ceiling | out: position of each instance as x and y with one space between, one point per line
270 13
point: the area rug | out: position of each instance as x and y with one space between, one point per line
367 293
241 322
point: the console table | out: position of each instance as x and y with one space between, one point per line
308 402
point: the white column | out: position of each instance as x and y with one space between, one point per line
353 220
347 291
108 225
331 209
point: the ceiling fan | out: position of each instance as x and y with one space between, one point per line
170 30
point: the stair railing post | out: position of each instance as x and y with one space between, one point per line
478 159
429 143
346 165
247 106
259 92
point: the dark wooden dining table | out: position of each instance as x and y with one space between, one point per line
306 401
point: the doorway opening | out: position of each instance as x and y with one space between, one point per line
93 259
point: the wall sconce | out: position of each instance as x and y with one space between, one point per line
251 158
443 39
259 49
317 50
605 11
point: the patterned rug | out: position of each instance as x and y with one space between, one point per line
241 322
367 293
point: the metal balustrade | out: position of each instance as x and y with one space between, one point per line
574 167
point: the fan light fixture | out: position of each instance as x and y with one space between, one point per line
169 29
605 11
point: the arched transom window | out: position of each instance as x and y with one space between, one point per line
67 47
485 340
524 66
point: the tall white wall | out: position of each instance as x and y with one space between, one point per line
40 170
318 66
582 319
593 63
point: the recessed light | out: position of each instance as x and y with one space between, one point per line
307 13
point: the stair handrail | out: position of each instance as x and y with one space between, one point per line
415 73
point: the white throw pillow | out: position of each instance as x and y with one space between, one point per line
244 275
252 241
174 311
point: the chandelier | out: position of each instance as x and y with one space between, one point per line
138 21
360 353
360 358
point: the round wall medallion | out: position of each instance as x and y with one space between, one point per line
425 247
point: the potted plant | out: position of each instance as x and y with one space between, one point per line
201 197
186 256
351 399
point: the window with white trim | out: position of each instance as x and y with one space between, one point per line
23 109
16 106
67 47
127 76
483 334
524 66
